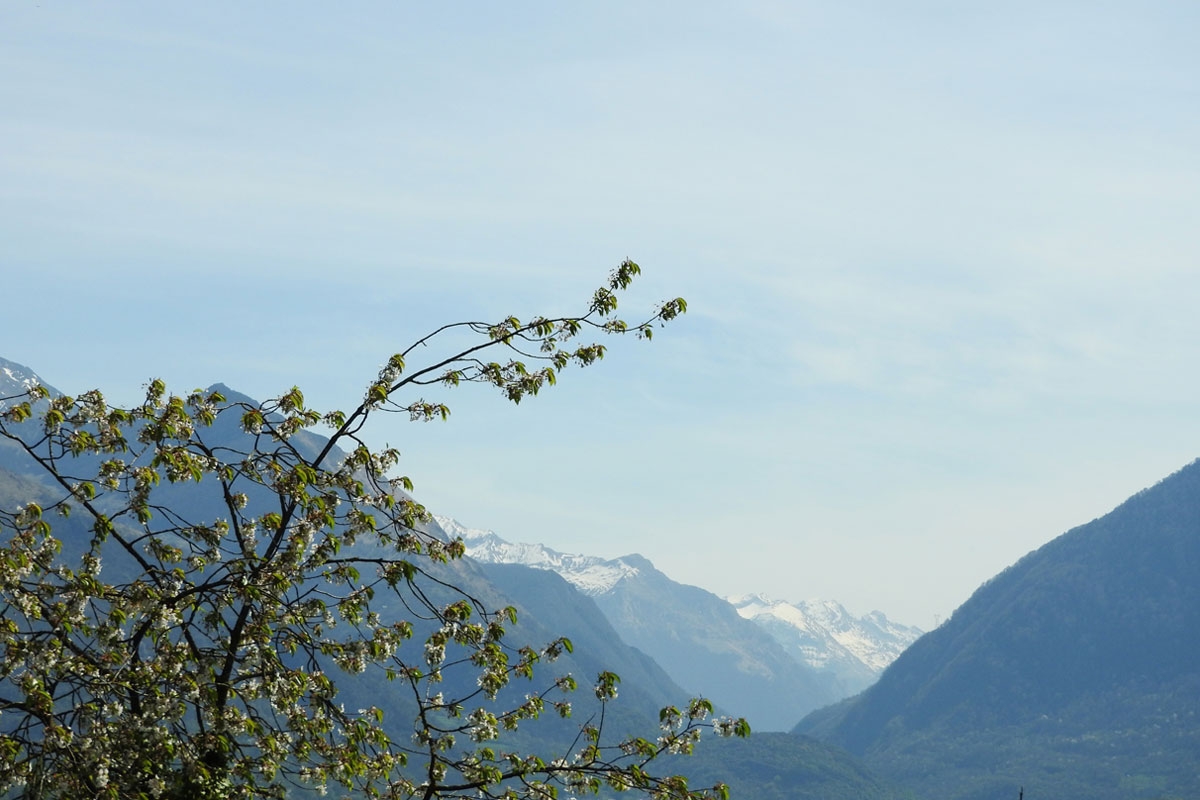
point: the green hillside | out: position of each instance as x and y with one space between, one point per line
779 766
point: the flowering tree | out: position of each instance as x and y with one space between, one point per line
214 571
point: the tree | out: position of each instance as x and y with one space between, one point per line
216 573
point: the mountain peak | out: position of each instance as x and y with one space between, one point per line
231 395
592 575
823 632
755 599
17 378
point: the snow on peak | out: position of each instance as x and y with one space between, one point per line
590 574
16 379
822 629
751 605
456 530
19 376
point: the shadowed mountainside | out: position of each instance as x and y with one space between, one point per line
1075 672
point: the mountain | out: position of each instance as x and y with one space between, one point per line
1074 673
777 766
645 687
548 607
764 766
823 634
589 574
697 637
15 379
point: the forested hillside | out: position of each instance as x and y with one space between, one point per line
1075 672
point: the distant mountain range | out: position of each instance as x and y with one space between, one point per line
763 659
710 634
769 661
1074 673
827 637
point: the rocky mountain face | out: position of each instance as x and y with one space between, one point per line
1074 673
755 657
852 650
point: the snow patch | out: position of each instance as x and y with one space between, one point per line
823 631
15 380
590 574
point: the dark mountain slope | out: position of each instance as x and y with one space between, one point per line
559 609
1077 670
703 642
776 766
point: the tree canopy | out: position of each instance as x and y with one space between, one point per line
192 582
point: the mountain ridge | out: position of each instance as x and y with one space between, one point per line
15 379
639 599
549 608
826 636
592 575
1074 672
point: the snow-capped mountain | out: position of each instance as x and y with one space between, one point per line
697 637
823 634
16 379
589 574
791 655
820 633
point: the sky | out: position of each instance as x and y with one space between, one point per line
941 259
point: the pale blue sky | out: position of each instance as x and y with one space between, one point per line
941 258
